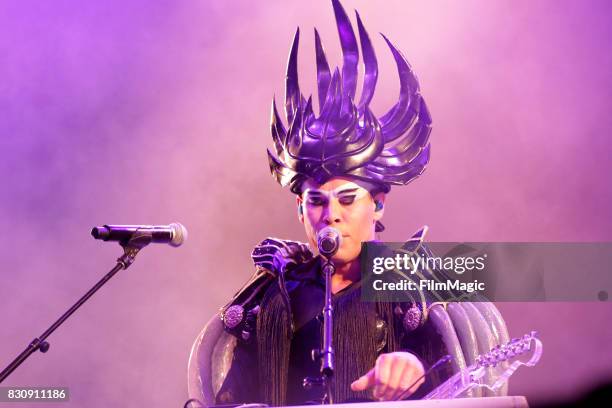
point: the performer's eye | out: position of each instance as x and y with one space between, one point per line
313 200
347 199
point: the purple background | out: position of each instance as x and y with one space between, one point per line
152 112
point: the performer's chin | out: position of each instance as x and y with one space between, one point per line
344 256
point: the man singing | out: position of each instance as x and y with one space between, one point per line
340 164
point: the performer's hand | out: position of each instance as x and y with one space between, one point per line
291 255
279 255
391 376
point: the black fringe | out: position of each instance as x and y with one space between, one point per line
355 342
354 324
355 331
273 348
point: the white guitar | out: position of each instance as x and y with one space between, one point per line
524 351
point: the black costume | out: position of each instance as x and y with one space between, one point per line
257 349
277 329
360 334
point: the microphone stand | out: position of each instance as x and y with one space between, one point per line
139 240
326 353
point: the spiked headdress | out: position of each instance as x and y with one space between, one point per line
347 139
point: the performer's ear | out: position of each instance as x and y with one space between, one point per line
379 203
300 209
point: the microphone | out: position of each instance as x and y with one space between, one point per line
174 234
328 241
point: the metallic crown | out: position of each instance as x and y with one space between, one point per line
347 139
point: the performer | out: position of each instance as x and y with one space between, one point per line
340 164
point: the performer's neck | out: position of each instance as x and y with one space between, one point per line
345 275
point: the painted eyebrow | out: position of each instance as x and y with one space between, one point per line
325 193
316 192
347 191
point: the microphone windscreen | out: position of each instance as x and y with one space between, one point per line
328 241
179 234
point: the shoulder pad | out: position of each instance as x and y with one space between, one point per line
416 241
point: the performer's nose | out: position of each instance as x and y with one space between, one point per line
332 213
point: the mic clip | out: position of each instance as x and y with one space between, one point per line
132 246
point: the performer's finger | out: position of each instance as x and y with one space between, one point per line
399 370
364 382
382 372
407 381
